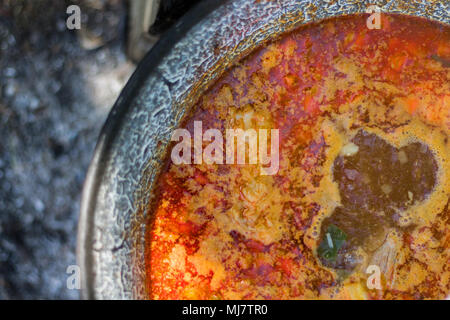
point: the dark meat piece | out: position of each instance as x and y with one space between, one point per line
374 184
380 177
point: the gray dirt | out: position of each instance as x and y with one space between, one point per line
56 89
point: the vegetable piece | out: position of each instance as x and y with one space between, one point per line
333 240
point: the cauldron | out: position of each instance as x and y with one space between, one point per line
166 84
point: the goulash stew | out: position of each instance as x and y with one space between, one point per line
359 205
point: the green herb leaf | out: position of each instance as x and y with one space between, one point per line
332 241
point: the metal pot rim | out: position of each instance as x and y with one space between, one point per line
109 131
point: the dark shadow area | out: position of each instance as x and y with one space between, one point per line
169 12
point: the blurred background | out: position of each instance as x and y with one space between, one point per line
56 89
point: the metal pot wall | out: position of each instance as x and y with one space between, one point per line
131 147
